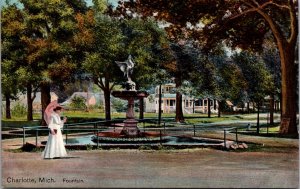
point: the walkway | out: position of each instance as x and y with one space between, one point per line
193 168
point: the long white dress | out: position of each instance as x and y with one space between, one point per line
55 145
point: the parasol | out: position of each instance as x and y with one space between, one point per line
49 110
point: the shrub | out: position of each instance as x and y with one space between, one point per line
119 105
19 110
78 102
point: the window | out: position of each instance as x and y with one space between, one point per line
197 102
172 102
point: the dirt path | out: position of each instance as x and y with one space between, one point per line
134 169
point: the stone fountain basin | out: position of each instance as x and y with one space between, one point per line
117 137
125 95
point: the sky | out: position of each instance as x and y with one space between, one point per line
113 2
89 2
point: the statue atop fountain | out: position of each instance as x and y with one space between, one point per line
130 128
127 68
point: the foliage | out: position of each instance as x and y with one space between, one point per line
12 27
232 78
106 49
210 21
259 80
78 102
272 60
242 24
38 39
49 26
119 105
19 110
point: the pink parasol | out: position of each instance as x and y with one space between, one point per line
49 110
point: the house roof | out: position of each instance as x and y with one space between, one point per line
229 103
85 95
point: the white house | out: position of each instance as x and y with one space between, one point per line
168 104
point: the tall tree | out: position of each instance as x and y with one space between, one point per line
184 58
241 23
48 39
12 27
259 81
100 61
113 40
272 60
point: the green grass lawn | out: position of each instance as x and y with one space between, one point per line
83 116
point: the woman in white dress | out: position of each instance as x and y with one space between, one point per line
55 147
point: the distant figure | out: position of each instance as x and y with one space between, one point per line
126 67
248 127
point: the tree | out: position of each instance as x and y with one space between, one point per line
230 76
49 28
183 66
259 81
12 52
112 39
100 61
272 60
150 46
241 23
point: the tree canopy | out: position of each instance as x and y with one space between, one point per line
240 24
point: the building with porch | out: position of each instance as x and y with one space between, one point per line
168 102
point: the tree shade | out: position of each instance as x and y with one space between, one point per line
241 23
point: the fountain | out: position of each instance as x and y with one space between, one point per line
130 128
129 134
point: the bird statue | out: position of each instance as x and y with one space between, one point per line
126 67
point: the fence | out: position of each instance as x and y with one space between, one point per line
163 128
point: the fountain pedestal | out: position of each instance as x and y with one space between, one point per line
130 128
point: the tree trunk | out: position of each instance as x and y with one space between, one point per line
208 105
280 105
193 105
29 103
219 108
272 109
215 104
7 107
141 108
45 99
288 89
179 113
257 124
107 104
248 107
159 105
243 107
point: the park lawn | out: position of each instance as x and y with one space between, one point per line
94 115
